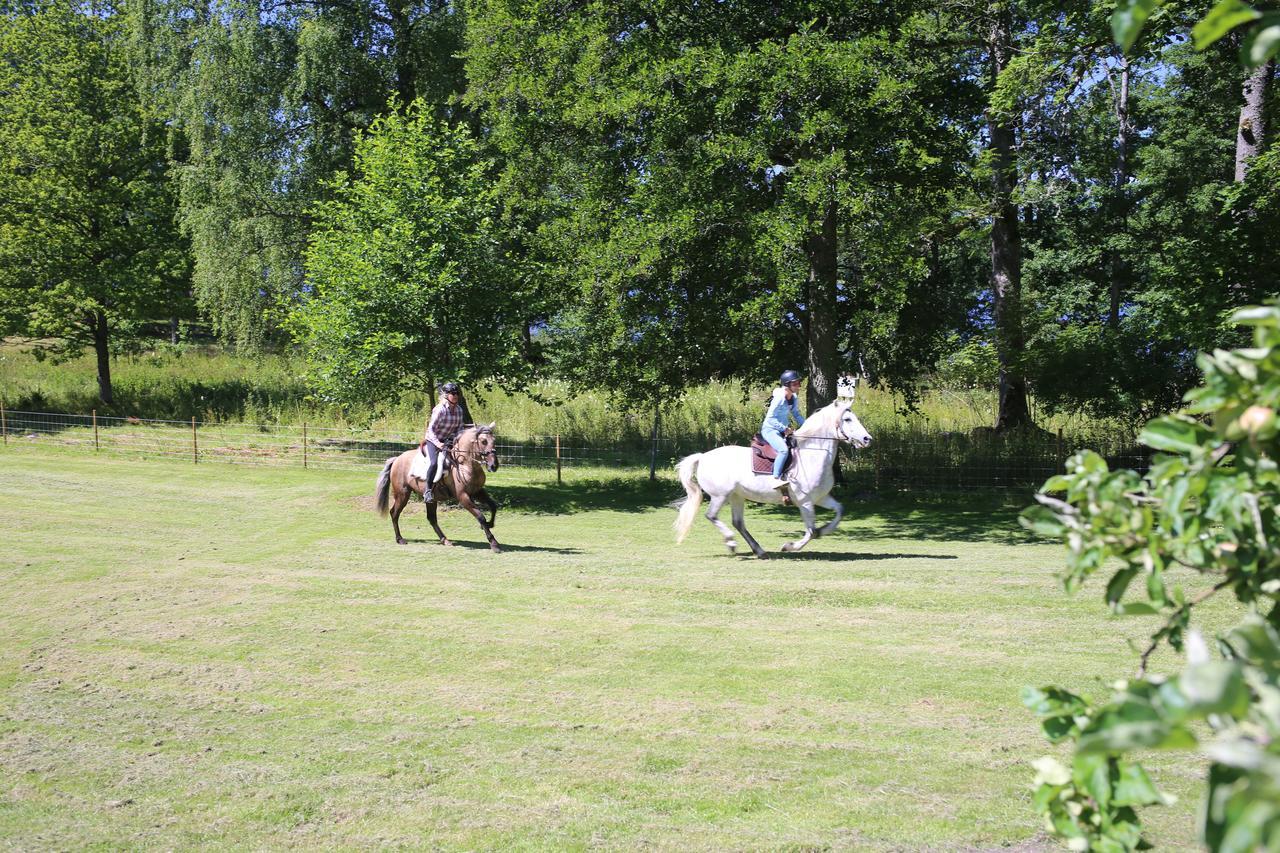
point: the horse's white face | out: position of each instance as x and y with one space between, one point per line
850 429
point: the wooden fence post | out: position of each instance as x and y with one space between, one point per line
1060 459
558 483
304 444
653 448
195 447
95 429
4 426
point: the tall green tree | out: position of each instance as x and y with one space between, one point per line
89 251
747 181
409 276
264 100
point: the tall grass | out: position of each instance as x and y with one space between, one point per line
216 385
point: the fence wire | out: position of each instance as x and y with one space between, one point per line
909 461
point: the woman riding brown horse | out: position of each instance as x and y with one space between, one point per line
474 450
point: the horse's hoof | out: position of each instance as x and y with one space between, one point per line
400 541
762 555
732 546
446 542
786 546
495 549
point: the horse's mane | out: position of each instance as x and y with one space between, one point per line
474 431
821 418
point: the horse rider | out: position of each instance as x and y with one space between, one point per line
783 407
446 422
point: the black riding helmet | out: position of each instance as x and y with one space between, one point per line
789 376
450 388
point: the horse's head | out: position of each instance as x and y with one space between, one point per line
484 447
848 427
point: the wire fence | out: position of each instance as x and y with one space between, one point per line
904 461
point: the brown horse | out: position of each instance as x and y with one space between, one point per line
474 450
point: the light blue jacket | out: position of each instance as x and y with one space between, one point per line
780 411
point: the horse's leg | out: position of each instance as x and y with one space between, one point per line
488 501
806 512
435 525
834 505
469 505
399 497
713 510
738 504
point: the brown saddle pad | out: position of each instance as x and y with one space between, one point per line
763 454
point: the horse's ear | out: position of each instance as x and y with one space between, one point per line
490 426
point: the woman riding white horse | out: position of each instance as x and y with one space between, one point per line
783 410
726 476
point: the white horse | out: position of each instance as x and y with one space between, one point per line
725 474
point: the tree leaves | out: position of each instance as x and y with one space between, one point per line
1128 20
1175 434
1222 18
1216 516
411 277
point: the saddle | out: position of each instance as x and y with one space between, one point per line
763 454
444 459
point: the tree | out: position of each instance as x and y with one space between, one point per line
264 100
408 278
715 191
88 247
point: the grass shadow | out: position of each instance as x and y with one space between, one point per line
842 556
990 517
620 495
964 518
469 545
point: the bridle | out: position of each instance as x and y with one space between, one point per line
473 454
839 432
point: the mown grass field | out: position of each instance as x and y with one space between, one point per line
225 656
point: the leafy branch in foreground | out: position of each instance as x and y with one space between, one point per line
1259 29
1211 503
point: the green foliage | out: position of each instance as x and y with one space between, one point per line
676 169
263 102
1211 503
1136 254
88 249
1260 42
408 280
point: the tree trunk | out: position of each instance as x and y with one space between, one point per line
1120 185
101 349
402 46
1006 248
1252 130
820 300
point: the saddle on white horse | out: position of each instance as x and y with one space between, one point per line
763 454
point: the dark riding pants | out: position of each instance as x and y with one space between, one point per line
433 456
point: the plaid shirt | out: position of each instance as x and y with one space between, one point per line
446 421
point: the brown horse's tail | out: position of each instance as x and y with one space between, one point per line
383 491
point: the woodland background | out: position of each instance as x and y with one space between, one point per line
640 197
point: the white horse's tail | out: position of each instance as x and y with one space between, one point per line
687 468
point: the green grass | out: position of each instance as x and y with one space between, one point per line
224 656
